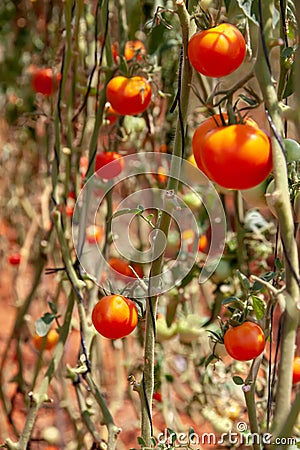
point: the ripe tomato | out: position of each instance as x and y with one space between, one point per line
114 168
134 49
115 316
157 396
121 266
129 96
51 340
217 51
14 259
245 341
45 81
94 233
237 156
296 370
198 138
188 237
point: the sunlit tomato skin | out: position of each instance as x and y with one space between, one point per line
244 342
45 81
237 156
296 370
218 51
129 96
134 49
113 160
51 340
115 316
198 138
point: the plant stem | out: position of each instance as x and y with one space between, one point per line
149 354
283 209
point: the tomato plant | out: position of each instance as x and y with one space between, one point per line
237 156
129 96
296 370
114 164
218 51
45 81
115 316
50 340
245 341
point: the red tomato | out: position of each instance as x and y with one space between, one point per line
129 96
217 51
45 81
237 156
198 138
134 49
14 259
296 370
120 266
157 396
115 316
115 167
245 341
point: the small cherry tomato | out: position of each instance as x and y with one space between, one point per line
245 341
45 81
115 316
129 96
112 160
218 51
14 259
157 396
296 370
94 233
51 340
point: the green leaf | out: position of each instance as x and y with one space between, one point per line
41 327
278 264
244 281
121 212
268 276
238 380
52 307
257 286
250 9
48 318
290 85
259 307
173 435
227 4
169 378
141 441
230 300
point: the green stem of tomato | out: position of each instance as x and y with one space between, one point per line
283 209
156 269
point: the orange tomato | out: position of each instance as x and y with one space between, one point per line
218 51
121 266
198 138
94 233
134 49
129 96
115 316
188 236
245 341
51 340
237 156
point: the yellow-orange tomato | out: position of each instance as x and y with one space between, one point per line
218 51
129 96
133 49
94 233
188 236
51 340
237 156
115 316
